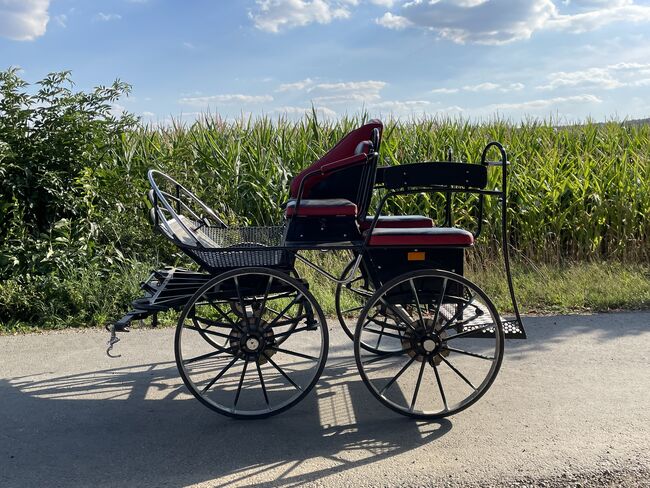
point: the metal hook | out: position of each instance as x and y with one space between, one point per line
111 342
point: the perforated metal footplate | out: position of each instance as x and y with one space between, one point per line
512 328
476 318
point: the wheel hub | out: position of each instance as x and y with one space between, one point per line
426 342
250 341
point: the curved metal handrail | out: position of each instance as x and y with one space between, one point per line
162 196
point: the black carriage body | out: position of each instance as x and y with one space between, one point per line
383 264
322 229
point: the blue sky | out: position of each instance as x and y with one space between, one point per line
569 59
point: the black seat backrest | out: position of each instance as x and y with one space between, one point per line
440 174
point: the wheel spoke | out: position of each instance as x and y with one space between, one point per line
442 391
225 316
263 306
468 353
293 353
220 350
259 372
462 376
241 382
239 297
207 331
282 314
294 331
290 321
382 323
216 378
210 323
385 355
281 371
400 313
459 313
443 289
417 386
382 333
353 309
394 378
417 301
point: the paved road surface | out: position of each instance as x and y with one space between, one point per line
570 406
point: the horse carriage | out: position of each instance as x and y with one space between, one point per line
251 339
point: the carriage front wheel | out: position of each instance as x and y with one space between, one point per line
448 339
257 358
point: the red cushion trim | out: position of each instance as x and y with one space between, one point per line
322 208
398 222
436 236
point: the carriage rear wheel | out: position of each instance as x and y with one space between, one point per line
265 354
448 342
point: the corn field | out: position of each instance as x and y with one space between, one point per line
579 192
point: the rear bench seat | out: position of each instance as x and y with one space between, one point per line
422 237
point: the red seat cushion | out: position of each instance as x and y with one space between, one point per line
422 237
397 222
332 207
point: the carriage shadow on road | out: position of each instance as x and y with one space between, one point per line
137 426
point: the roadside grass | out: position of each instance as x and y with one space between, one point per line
566 288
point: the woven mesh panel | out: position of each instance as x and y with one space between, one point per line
255 239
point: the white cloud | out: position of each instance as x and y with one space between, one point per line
148 114
395 22
102 17
609 77
486 86
622 11
351 86
504 21
335 93
23 20
546 103
482 87
445 91
299 112
277 15
225 99
298 85
480 21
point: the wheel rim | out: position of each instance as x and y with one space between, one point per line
450 342
258 363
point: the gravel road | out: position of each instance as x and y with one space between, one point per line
569 408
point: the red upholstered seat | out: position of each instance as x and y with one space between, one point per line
350 151
422 237
397 222
331 207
